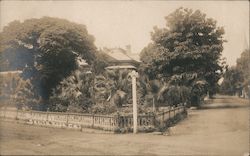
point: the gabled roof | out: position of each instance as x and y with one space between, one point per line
134 56
117 54
121 55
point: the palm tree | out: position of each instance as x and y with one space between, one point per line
113 86
74 93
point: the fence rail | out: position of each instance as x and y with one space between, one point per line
78 121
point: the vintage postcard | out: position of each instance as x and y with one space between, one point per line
119 77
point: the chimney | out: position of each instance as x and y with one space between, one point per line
128 48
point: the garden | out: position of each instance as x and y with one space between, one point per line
63 71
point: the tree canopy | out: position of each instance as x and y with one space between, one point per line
237 77
188 49
45 49
232 82
243 64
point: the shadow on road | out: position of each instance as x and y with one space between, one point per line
223 106
225 102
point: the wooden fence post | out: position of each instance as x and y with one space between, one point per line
163 117
47 116
174 111
93 120
31 116
169 113
119 120
67 120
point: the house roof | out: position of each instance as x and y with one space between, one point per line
135 56
119 54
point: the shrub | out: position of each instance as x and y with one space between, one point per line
25 97
73 94
174 95
103 108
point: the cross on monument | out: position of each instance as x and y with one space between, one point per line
134 75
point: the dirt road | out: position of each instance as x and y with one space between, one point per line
220 128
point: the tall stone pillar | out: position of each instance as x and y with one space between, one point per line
134 75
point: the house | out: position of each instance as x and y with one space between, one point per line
119 58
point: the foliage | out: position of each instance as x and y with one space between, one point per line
18 92
118 86
232 82
100 62
198 92
73 94
243 65
104 108
148 90
163 93
186 50
174 95
7 84
238 77
46 49
104 93
25 96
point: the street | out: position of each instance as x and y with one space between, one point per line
219 128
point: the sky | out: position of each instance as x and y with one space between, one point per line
121 23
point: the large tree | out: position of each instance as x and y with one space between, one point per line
243 65
187 50
45 49
237 78
232 82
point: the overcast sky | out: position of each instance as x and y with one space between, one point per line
119 23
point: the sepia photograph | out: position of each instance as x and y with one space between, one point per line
124 77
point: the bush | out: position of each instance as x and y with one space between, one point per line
175 95
103 108
73 94
25 97
197 93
